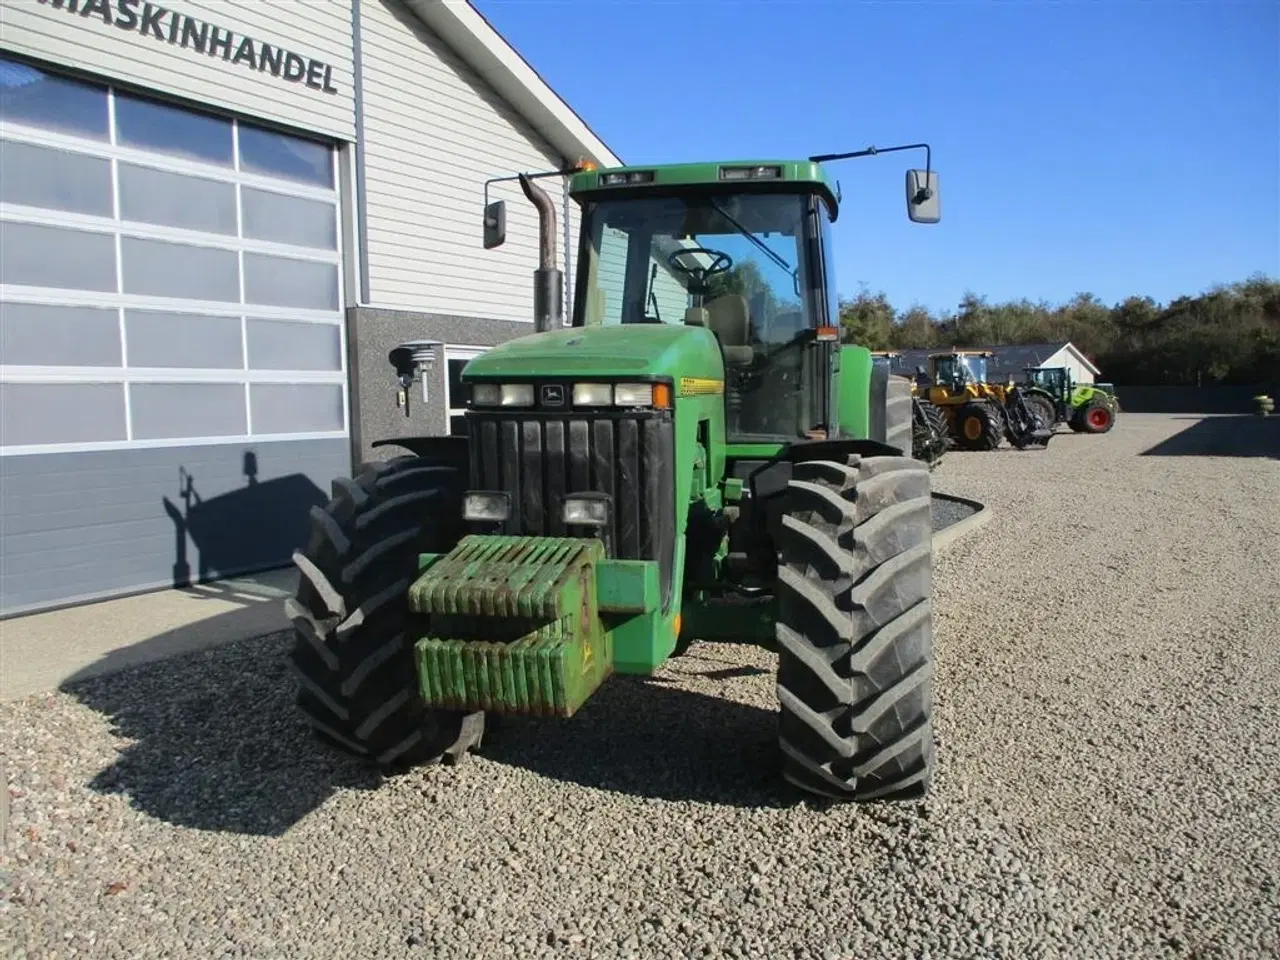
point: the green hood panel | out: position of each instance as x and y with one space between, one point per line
623 350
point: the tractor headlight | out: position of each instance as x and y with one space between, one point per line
502 394
592 394
586 511
486 506
633 395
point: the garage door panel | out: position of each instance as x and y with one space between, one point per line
39 99
164 339
158 268
295 408
272 154
53 179
167 411
41 413
174 131
53 335
177 200
285 282
36 255
296 221
286 345
136 541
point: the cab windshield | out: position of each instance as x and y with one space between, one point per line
733 263
962 369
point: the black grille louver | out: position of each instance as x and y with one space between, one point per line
538 458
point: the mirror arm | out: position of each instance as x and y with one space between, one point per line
876 151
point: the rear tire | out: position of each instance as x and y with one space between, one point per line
897 415
979 426
855 629
354 635
1097 416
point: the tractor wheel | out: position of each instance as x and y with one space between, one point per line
1043 406
931 439
1096 416
855 629
353 645
898 414
979 427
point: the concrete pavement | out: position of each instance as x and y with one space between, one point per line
41 651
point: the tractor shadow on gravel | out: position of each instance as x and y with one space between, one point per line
214 741
1243 435
646 737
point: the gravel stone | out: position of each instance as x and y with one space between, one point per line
1108 721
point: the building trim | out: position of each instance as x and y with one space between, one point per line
231 440
364 289
466 30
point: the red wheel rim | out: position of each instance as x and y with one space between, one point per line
1099 418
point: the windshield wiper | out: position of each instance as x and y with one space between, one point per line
652 297
764 247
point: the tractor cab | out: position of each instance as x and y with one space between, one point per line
734 257
960 369
1055 381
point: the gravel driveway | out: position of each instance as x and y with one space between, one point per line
1109 754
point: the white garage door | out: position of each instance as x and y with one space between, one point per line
166 277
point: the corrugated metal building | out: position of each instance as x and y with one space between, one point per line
216 219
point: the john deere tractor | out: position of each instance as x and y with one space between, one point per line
695 456
1086 408
981 414
930 437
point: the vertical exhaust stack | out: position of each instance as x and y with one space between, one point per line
548 279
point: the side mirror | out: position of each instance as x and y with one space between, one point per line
495 224
923 203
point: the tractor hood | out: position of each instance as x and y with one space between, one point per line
625 350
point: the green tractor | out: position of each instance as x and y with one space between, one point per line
1084 407
695 456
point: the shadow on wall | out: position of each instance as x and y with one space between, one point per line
1240 436
252 528
1218 399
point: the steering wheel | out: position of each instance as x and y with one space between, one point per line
720 263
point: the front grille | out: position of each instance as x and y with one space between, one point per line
539 458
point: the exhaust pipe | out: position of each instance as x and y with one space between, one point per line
548 279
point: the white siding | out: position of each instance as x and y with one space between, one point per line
433 133
105 38
1065 357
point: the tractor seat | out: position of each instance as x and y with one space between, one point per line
730 321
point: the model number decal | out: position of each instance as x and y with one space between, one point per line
700 387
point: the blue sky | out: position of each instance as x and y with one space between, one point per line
1114 147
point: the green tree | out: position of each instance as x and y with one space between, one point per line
867 320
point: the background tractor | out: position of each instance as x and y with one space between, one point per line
1086 408
694 456
981 415
930 437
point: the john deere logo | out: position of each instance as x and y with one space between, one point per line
552 395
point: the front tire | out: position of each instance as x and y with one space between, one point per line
979 426
855 630
353 643
1044 407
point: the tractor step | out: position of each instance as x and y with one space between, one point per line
514 625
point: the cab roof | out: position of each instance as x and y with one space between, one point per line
803 173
